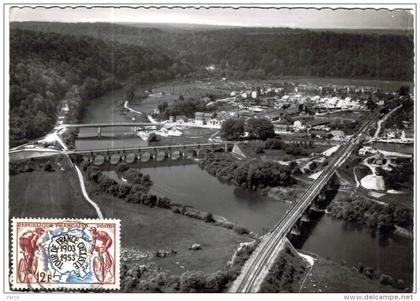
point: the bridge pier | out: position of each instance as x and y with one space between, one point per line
296 229
306 218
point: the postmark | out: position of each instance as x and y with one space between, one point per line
65 254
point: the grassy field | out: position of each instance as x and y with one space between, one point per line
329 277
151 229
48 194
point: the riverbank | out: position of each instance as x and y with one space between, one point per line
328 276
381 218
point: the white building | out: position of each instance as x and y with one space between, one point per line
298 126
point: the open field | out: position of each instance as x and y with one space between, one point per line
151 229
251 150
48 194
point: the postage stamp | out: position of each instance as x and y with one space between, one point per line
65 254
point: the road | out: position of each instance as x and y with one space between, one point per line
254 271
121 124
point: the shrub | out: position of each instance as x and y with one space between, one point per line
213 283
104 182
113 189
135 197
385 279
273 143
369 272
259 150
152 137
164 202
208 218
192 282
399 284
48 167
122 167
240 230
123 191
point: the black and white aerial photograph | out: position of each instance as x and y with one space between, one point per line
209 149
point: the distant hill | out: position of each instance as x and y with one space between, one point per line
264 52
177 26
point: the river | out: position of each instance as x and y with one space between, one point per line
353 243
107 108
190 185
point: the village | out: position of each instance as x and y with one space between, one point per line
296 111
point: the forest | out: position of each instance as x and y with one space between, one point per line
266 52
47 69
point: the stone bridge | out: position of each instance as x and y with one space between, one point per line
151 153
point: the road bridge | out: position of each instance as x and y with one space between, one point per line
133 125
147 153
256 268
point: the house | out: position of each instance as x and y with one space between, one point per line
298 126
202 118
215 123
281 128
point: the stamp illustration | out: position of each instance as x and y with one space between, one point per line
65 254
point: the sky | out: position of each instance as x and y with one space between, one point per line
252 17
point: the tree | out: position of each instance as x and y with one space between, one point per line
192 282
260 128
233 128
404 90
370 104
40 124
129 95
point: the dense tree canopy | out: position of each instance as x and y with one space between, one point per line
233 128
260 128
265 52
